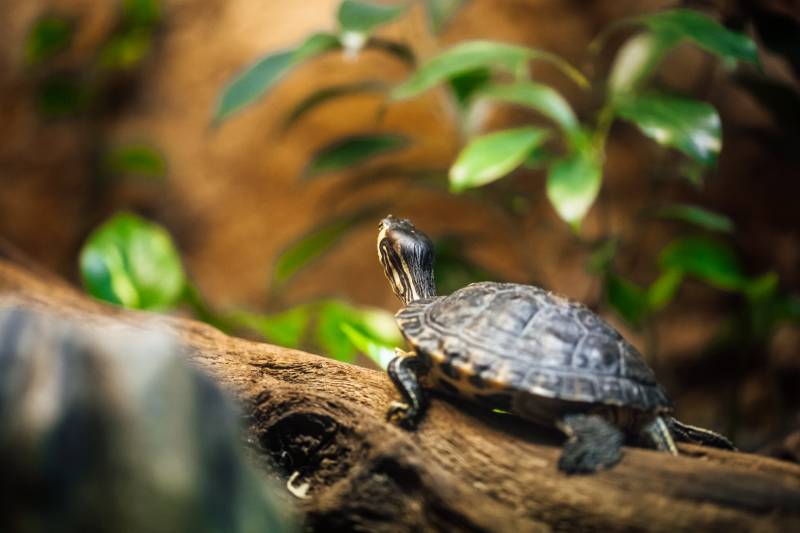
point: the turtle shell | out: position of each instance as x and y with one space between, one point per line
523 339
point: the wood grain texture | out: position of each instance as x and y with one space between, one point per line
462 470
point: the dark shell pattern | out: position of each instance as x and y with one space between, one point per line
523 339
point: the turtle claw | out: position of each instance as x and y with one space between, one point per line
401 414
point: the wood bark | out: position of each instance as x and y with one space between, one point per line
322 423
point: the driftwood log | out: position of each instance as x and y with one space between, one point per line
321 423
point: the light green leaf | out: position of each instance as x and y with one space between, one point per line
363 17
573 184
126 50
381 354
354 150
662 291
257 79
492 156
691 126
134 263
48 36
538 97
327 94
287 328
626 298
441 12
311 247
636 60
474 55
329 335
708 260
705 32
698 216
135 160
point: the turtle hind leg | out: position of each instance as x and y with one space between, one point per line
593 443
696 435
403 371
657 434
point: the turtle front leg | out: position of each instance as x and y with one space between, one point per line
403 371
593 443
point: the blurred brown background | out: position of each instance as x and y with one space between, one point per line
233 197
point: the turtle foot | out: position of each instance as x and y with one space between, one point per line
593 444
403 415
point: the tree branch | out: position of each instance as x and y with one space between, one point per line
321 423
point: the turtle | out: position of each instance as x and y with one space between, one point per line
526 351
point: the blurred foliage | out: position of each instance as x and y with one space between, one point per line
567 149
47 37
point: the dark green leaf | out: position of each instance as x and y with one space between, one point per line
602 256
135 160
453 269
626 298
311 246
363 17
440 12
134 263
573 184
538 97
48 36
141 12
691 126
474 55
464 85
61 96
325 95
698 216
284 329
257 79
708 260
398 50
703 31
662 291
492 156
354 150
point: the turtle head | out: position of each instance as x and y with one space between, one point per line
407 258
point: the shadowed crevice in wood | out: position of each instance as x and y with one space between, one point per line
462 470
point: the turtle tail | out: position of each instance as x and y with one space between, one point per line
695 435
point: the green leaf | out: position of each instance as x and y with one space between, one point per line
141 12
474 55
252 83
363 17
287 328
698 216
125 51
626 298
327 94
467 83
453 269
329 335
381 354
48 36
573 184
353 150
311 247
492 156
708 260
441 12
538 97
602 257
61 96
691 126
135 160
705 32
636 60
134 263
662 291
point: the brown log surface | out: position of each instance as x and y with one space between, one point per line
462 470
